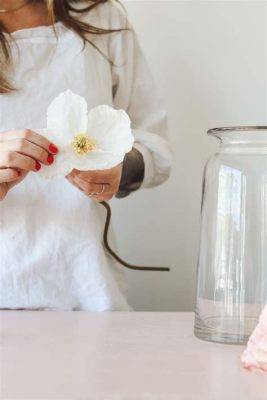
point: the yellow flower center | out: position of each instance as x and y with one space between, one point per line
83 144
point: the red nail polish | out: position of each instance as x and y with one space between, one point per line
50 159
37 166
53 148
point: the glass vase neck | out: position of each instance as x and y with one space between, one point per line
241 139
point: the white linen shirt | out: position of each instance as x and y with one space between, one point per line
51 251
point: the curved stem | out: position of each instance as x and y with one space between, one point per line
114 255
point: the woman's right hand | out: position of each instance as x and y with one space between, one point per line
22 151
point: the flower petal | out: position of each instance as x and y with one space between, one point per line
97 161
67 115
111 128
61 167
62 164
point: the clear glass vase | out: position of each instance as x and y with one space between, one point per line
232 265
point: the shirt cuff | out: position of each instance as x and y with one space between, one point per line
149 166
133 169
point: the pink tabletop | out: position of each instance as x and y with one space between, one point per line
117 356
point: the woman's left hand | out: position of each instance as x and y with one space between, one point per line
101 185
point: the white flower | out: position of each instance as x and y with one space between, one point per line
86 141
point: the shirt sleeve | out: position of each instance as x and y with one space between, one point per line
134 90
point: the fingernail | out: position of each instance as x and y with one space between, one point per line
50 159
53 148
37 166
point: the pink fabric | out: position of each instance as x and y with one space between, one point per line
255 355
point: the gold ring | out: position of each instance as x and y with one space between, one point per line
98 193
103 188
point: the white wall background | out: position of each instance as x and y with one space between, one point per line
209 61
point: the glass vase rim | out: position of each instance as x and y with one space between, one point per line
214 131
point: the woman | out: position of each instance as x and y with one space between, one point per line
51 252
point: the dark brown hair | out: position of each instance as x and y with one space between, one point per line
58 10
